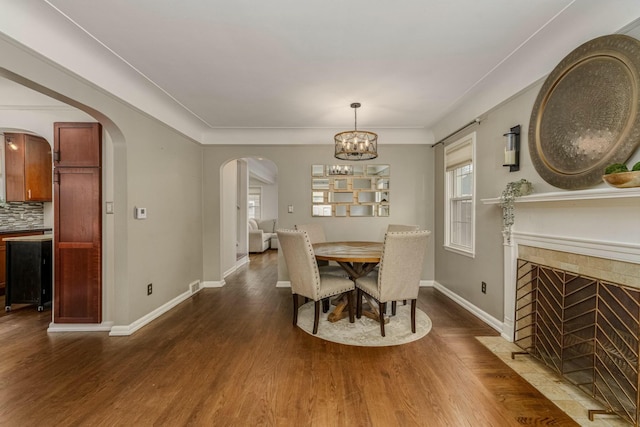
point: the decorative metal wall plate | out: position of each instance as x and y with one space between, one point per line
586 115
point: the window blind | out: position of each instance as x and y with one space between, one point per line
458 155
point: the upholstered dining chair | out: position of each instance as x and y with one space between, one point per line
316 235
306 279
401 227
398 278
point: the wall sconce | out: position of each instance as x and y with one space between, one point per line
512 149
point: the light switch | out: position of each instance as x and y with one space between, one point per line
140 213
109 207
290 210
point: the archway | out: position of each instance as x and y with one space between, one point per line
248 188
30 108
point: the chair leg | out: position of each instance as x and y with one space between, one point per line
316 317
383 309
413 315
351 308
358 303
295 309
393 308
325 305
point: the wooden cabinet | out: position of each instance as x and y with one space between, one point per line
78 223
3 256
28 168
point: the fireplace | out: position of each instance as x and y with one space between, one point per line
572 289
583 328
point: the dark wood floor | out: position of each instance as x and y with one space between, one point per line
231 357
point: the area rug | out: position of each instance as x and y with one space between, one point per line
365 331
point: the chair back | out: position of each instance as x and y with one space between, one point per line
401 227
301 262
315 232
401 264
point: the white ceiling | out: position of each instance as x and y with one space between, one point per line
299 64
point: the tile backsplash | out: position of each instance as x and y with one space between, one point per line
16 215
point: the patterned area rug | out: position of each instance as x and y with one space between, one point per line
366 332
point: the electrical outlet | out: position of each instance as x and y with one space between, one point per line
484 287
149 288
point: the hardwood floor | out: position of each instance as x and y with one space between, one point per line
230 357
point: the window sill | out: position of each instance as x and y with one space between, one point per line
460 251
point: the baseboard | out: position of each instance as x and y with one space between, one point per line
242 261
480 314
80 327
213 283
230 271
426 283
126 330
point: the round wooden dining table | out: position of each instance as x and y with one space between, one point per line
357 259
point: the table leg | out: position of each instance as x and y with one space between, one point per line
355 270
338 312
373 312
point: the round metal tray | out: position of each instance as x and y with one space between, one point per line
586 115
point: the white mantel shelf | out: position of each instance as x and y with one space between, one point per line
562 196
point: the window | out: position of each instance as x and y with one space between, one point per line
254 204
460 196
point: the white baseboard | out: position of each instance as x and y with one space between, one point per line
242 261
230 271
427 283
213 283
126 330
480 314
80 327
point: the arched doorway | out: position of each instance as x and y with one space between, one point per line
27 110
249 189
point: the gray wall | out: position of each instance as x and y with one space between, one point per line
461 274
411 194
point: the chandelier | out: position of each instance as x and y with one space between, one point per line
356 144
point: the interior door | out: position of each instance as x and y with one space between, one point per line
78 223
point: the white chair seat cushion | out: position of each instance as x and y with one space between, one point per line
333 285
369 284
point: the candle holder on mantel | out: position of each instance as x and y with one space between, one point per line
512 149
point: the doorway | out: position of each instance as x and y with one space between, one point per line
39 118
249 188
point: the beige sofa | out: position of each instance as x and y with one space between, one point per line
262 235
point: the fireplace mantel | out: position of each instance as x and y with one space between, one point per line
599 223
564 196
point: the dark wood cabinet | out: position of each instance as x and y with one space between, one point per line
78 223
29 271
28 162
3 256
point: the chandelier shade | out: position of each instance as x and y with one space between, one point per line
356 144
